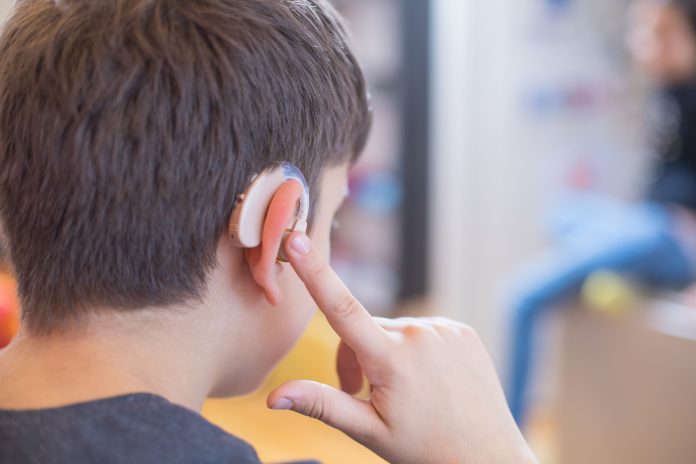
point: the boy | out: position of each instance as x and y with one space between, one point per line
128 128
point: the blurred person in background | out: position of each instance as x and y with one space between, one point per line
652 242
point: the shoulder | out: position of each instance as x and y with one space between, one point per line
128 429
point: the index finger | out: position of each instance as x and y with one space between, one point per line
345 314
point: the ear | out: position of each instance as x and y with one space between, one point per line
262 259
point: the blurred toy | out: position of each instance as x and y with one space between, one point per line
609 293
9 309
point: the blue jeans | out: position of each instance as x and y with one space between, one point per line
635 241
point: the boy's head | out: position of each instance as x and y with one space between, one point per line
662 39
127 128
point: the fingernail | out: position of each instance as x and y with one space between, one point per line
300 243
282 403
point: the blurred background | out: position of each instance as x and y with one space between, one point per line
509 183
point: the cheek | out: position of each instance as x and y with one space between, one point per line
298 307
291 318
321 238
296 310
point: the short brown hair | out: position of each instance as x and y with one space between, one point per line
127 127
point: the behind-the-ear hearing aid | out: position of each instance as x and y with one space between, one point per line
247 219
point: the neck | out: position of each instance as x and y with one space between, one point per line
171 355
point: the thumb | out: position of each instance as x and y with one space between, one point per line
355 417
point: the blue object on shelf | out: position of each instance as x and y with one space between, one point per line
558 5
378 192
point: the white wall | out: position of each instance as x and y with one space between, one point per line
479 189
5 7
491 160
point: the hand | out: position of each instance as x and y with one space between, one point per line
434 394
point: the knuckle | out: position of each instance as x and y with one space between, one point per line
465 330
347 307
316 408
419 332
411 331
443 321
319 269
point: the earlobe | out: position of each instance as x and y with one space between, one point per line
262 259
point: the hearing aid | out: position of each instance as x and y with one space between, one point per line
249 213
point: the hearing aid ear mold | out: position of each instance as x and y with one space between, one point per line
247 219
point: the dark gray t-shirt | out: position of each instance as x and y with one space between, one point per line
132 429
